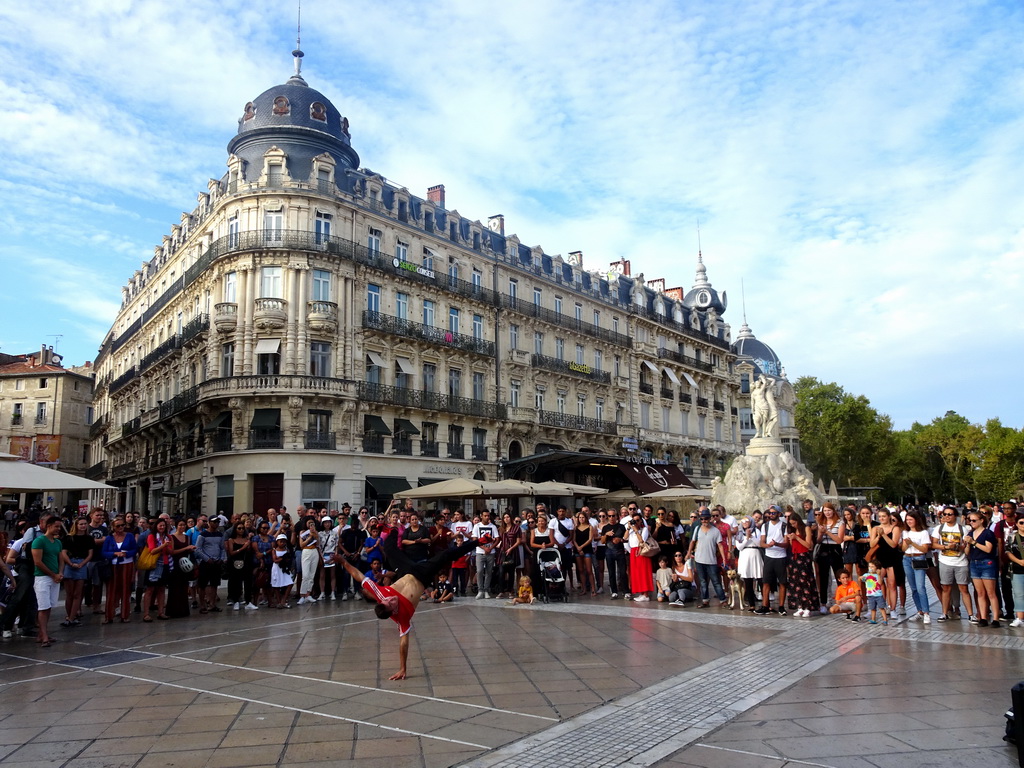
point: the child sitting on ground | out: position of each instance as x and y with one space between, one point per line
444 590
663 581
848 599
525 594
873 590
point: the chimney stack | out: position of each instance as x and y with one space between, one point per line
576 258
496 224
435 195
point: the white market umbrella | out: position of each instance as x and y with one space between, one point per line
553 488
460 487
19 476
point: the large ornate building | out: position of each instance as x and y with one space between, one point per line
314 332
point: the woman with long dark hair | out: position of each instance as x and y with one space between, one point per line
507 555
184 572
802 594
984 566
885 540
160 543
75 555
120 548
916 541
829 560
583 548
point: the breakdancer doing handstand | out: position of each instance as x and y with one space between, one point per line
398 602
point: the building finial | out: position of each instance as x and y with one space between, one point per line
297 53
743 299
701 280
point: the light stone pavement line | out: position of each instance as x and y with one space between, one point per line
301 710
341 683
785 760
74 671
683 708
909 633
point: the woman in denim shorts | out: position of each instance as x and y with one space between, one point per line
78 547
981 557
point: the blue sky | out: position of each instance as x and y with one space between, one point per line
855 164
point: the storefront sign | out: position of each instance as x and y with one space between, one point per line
580 368
441 469
408 266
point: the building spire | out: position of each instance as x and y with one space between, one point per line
296 79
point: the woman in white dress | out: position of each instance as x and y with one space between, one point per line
309 544
281 571
750 565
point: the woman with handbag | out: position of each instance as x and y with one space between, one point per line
641 574
507 560
750 563
119 549
583 547
915 542
828 552
183 574
158 543
240 550
802 594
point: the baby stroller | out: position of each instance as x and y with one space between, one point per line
549 561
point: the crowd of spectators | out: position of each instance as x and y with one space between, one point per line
801 562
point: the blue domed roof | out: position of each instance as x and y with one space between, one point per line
297 119
757 352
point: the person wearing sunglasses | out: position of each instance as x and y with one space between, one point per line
1015 556
981 558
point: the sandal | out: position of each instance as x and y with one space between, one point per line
147 617
45 645
67 623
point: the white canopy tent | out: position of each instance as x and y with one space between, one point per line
18 476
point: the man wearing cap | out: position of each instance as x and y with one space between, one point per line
707 548
773 542
330 585
398 602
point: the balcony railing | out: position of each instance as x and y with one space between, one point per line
179 403
429 448
123 470
273 383
320 441
130 427
581 423
16 419
412 330
402 446
685 397
456 451
430 401
373 444
96 471
647 389
480 452
682 328
530 309
668 393
265 437
702 402
40 419
193 328
159 352
690 362
220 441
571 368
719 406
97 427
122 380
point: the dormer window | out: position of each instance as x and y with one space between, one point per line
318 111
281 106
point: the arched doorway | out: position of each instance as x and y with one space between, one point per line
515 450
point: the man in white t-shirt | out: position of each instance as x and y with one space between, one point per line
776 557
948 539
561 527
486 533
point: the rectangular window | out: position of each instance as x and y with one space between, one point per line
44 382
684 424
538 399
428 313
479 437
402 306
453 320
227 359
598 360
559 349
666 419
453 274
478 279
718 429
454 435
645 415
428 259
558 305
618 365
373 371
373 298
538 343
662 342
597 318
373 237
537 297
514 390
321 285
429 377
455 382
268 365
560 402
581 405
599 409
271 283
273 226
701 423
323 228
320 359
233 231
231 287
274 175
319 423
513 336
513 289
578 312
745 383
40 413
89 414
615 324
402 251
478 386
478 327
579 354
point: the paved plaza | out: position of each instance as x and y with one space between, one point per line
591 683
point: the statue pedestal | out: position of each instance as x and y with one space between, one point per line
764 446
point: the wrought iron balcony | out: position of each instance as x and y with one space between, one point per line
571 368
668 393
320 441
580 423
130 427
402 446
97 427
220 441
373 443
123 380
456 451
685 397
530 309
702 402
681 328
690 362
265 437
430 401
647 389
125 469
159 353
480 452
179 403
409 329
719 406
429 448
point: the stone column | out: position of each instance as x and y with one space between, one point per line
291 294
244 329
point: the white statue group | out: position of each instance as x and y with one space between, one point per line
765 408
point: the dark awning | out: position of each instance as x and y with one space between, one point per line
387 486
181 488
266 417
427 481
376 425
404 425
648 478
220 421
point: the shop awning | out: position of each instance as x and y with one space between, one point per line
671 374
651 367
181 488
376 425
405 366
648 478
266 418
387 486
404 425
376 359
689 379
268 346
220 421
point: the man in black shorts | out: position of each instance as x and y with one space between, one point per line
398 602
776 556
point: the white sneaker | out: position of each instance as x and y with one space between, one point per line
481 595
331 597
301 601
927 619
1015 623
8 634
915 617
680 603
345 596
251 607
236 606
641 599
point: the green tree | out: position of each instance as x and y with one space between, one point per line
958 445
